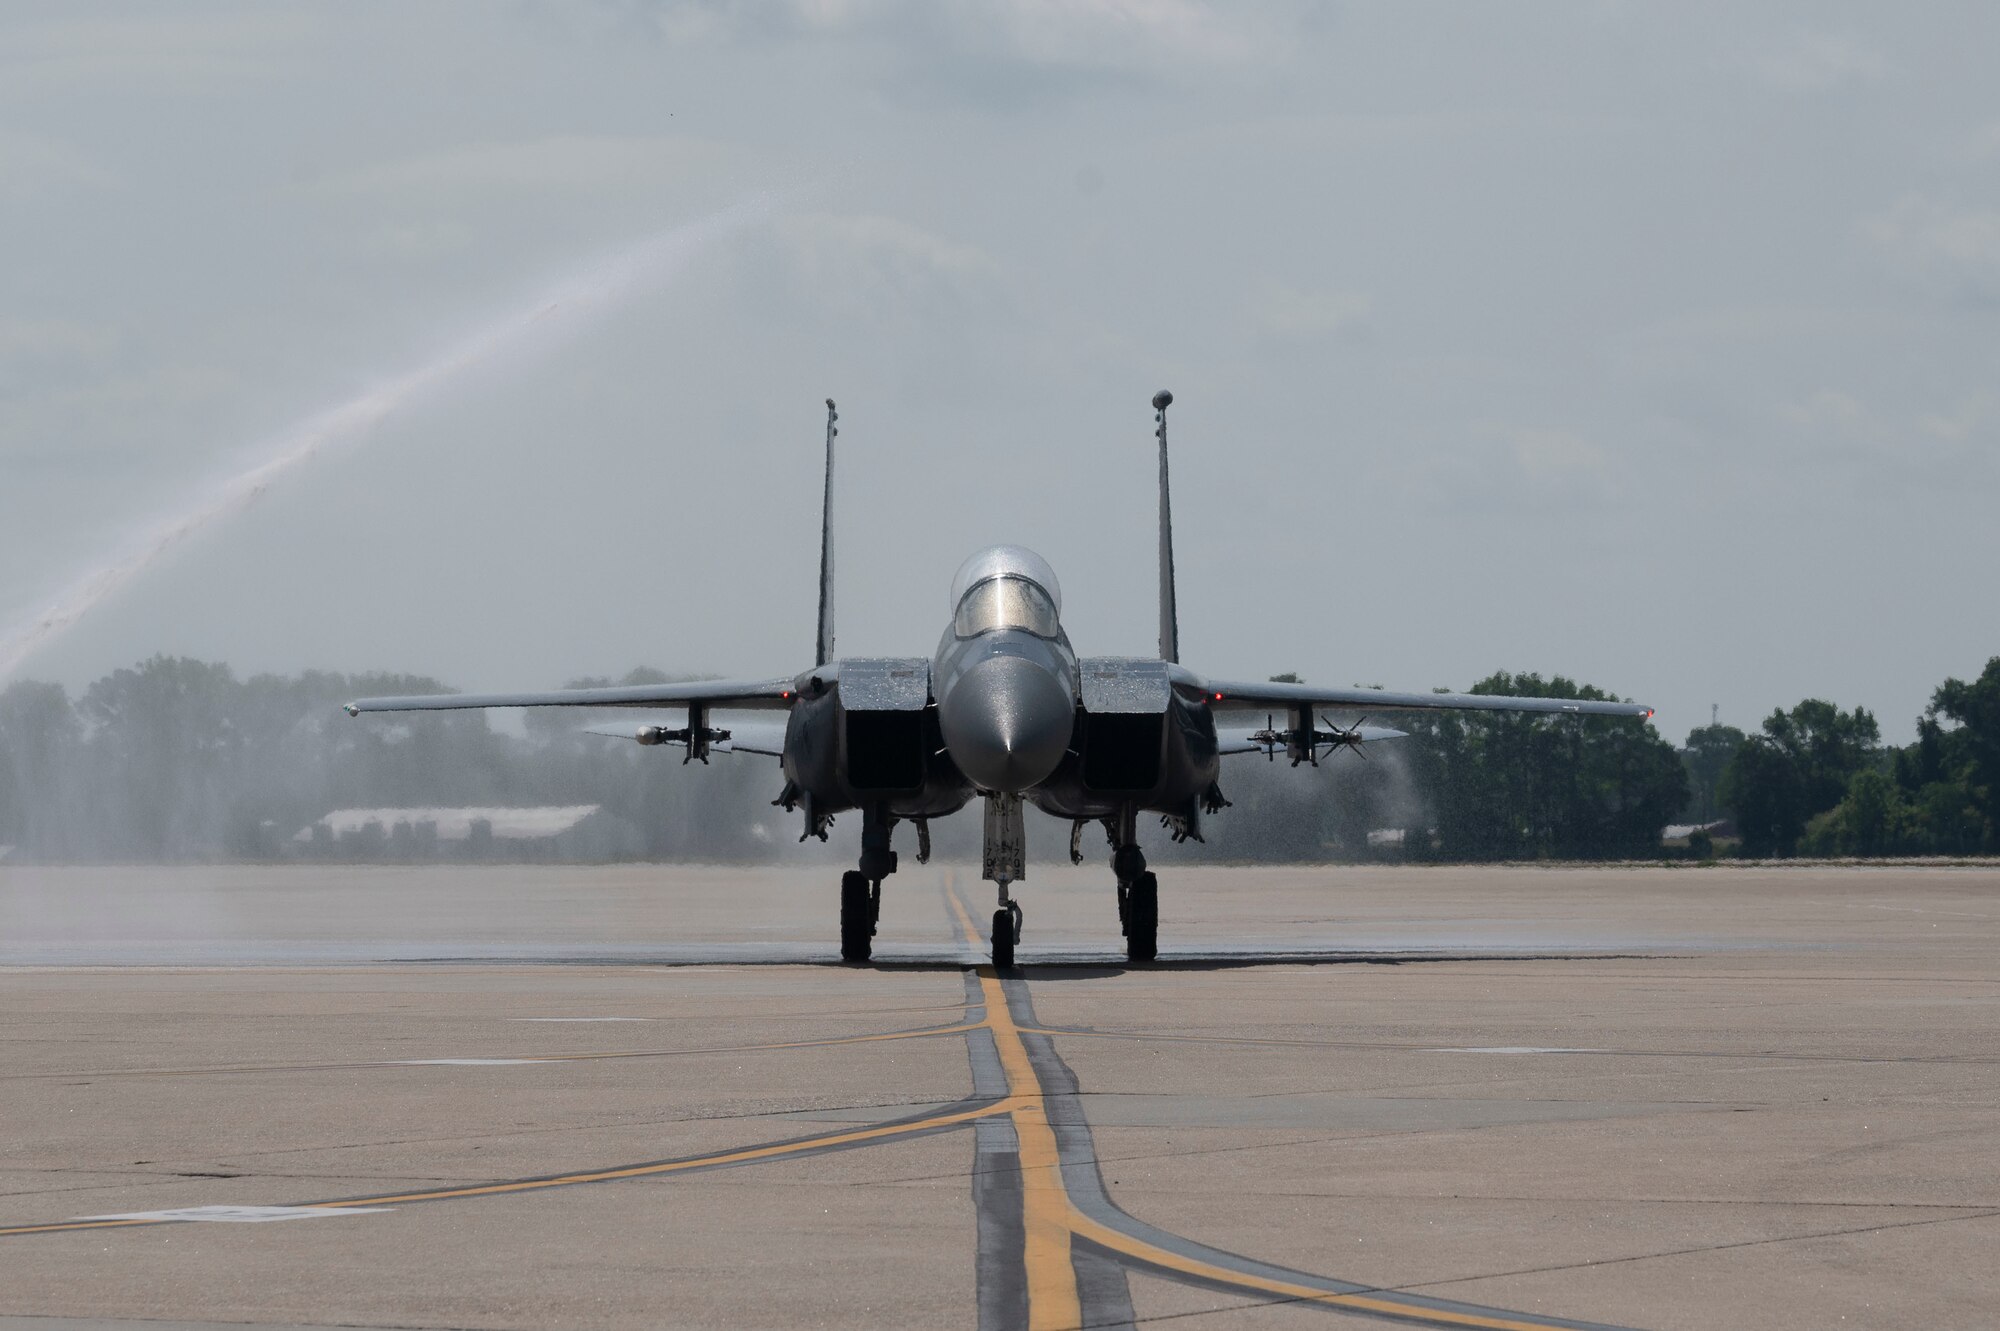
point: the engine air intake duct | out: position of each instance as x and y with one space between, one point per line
885 750
887 728
1121 751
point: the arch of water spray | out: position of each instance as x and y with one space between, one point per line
556 314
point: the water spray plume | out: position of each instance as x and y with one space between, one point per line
562 311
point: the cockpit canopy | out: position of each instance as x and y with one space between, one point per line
1006 587
1005 603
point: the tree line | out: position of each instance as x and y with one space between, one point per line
181 760
1818 781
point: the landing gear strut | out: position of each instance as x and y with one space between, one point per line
1138 890
861 889
1004 863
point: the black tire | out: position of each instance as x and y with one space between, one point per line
857 917
1142 918
1003 939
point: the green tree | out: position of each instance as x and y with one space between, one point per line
1522 786
1763 792
1975 708
164 741
1798 767
1709 749
40 757
1874 819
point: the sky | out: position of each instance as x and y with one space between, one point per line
1654 346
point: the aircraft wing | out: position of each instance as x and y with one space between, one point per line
1226 695
766 737
720 693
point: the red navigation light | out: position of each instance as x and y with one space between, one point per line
1218 697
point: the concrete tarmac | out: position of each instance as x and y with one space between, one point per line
647 1096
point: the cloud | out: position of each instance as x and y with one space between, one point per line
34 168
1511 470
1965 423
1544 455
1026 36
1950 447
45 340
174 50
1116 34
884 262
561 162
1825 410
1821 62
1291 313
1936 241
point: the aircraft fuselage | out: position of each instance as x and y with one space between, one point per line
1001 709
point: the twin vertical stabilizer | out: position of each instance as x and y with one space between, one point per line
1170 631
823 645
1170 626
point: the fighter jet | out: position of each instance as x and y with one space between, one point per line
1004 711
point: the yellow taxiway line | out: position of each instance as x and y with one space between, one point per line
743 1156
1052 1221
1045 1206
1153 1255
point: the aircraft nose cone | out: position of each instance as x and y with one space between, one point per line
1007 722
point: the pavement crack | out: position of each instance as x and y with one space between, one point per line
1700 1248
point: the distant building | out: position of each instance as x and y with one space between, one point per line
566 832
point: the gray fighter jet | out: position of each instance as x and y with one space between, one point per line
1005 711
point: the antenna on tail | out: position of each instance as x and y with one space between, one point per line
823 645
1170 627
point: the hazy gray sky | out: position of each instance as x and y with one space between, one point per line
1651 344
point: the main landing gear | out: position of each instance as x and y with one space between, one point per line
861 889
1138 891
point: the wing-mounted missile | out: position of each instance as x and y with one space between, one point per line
1302 741
699 738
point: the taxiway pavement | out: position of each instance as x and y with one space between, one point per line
530 1097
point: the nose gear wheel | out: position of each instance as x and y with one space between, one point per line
1003 936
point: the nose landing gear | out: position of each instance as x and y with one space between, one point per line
1005 862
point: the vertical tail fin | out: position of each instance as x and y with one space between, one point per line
1170 625
823 644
